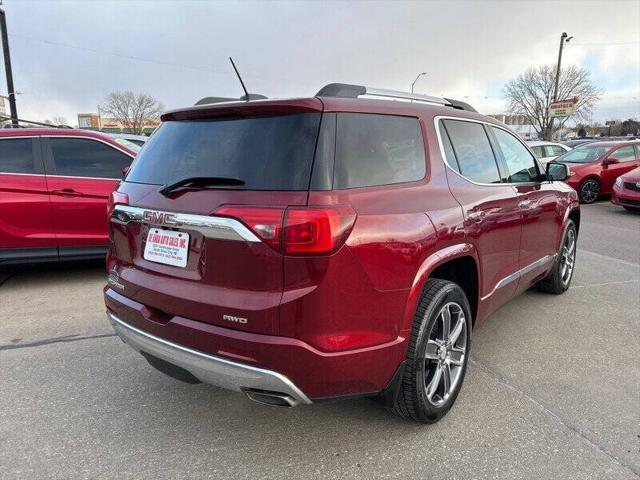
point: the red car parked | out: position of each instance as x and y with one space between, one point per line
626 190
304 249
595 166
54 188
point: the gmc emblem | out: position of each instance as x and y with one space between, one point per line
158 218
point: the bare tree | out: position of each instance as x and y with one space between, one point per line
60 121
132 110
532 91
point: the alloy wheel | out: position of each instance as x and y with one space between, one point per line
590 191
568 256
445 353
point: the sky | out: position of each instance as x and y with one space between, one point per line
67 56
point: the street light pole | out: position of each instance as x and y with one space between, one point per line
414 82
7 67
562 42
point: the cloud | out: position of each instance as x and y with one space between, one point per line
469 49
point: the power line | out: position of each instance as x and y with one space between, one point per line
149 60
603 44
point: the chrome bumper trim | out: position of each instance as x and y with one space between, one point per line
207 368
211 227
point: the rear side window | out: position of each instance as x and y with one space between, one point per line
473 151
81 157
539 152
16 156
266 152
377 150
554 150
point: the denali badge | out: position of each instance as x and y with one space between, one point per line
231 318
158 218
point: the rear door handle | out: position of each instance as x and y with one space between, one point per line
67 192
476 215
525 204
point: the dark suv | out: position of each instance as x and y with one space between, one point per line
305 249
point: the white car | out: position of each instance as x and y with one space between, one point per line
547 151
137 139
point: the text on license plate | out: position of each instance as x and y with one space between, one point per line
167 246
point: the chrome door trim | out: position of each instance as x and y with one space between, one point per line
520 273
211 227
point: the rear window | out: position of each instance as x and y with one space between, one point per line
377 150
268 153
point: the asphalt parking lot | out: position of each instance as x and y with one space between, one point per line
553 391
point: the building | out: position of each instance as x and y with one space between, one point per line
520 124
89 121
94 121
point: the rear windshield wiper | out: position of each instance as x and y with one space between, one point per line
201 182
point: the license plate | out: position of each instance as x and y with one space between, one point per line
167 246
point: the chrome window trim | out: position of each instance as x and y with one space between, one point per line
211 227
520 273
436 121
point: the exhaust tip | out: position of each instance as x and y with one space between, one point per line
274 399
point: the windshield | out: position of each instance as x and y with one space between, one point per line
267 153
583 154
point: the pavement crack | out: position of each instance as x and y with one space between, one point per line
510 385
49 341
620 282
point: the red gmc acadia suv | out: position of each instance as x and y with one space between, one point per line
305 249
54 188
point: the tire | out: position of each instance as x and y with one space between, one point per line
589 190
559 279
418 399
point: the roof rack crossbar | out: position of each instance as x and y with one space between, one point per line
345 90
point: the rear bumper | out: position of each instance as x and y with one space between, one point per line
309 373
208 368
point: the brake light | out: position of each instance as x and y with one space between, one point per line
265 222
296 230
116 198
316 230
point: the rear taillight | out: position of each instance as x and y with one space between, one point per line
265 222
296 230
116 198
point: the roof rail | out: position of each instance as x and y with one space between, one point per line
346 90
4 118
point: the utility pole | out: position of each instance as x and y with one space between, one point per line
564 38
7 68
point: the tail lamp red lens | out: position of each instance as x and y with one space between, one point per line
116 198
297 230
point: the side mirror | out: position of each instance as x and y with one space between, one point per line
557 171
610 161
125 170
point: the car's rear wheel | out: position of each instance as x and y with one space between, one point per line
589 190
438 353
559 278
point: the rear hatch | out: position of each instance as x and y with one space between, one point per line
195 229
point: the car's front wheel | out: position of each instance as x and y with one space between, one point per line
589 191
438 353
